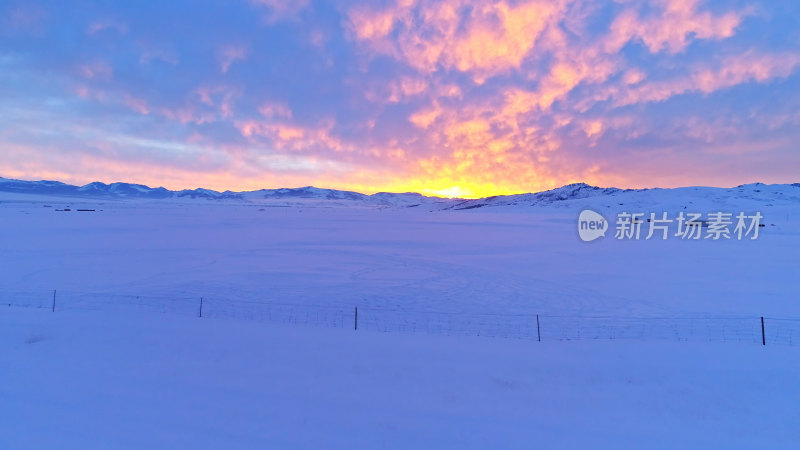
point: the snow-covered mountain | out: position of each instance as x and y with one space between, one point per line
568 192
580 195
302 195
37 187
572 195
91 190
122 190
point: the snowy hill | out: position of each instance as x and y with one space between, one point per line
568 192
37 187
91 190
584 195
98 190
305 196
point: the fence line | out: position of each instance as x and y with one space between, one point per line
543 327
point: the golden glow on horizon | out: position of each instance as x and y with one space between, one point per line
448 188
228 182
441 179
453 192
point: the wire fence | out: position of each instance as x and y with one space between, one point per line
538 327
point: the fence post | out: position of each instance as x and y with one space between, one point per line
54 300
538 330
356 319
763 336
201 307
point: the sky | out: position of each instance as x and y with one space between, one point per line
452 97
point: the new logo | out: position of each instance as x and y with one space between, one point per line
591 225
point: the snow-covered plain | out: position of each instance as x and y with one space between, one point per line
109 369
80 380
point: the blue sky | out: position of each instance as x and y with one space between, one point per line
449 97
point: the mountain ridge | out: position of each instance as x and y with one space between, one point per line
575 191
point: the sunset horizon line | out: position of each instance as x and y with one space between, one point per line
172 188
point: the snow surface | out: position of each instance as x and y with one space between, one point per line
84 380
98 373
502 259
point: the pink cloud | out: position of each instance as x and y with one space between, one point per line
399 90
96 71
293 137
671 30
106 24
275 110
222 97
317 38
187 114
408 87
228 55
28 18
281 9
732 71
424 118
634 76
157 54
137 104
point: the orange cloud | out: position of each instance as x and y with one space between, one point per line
487 148
372 25
593 128
424 118
287 136
493 38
